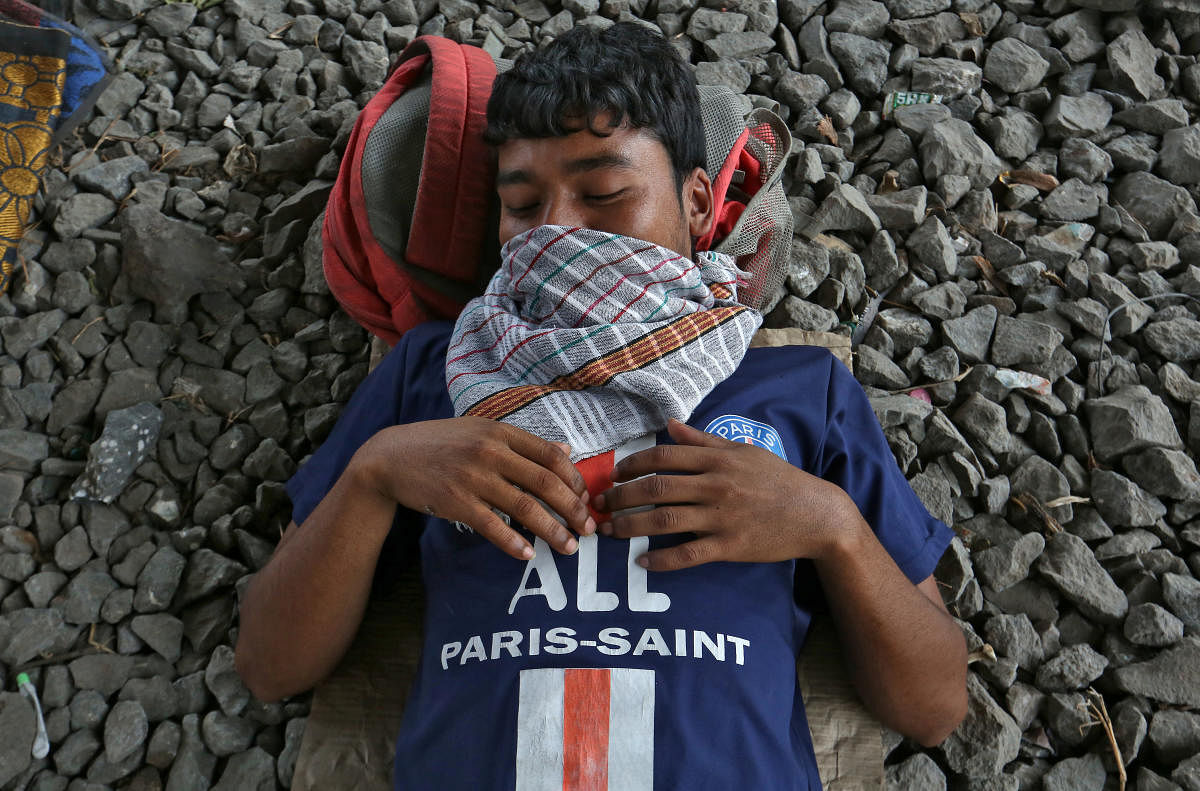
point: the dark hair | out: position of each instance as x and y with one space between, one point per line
627 71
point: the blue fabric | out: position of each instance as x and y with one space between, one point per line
722 718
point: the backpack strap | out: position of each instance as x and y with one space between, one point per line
386 288
753 219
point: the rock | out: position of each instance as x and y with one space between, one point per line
971 335
953 148
1020 341
1182 595
1130 420
986 740
845 209
1014 66
1004 566
1013 636
85 594
1175 735
876 370
225 684
105 673
863 61
860 17
1132 60
1072 568
1167 473
1155 256
167 261
1077 116
1122 502
1150 625
207 572
1074 199
1179 161
738 46
949 77
112 178
22 451
253 770
18 726
1172 676
1155 117
929 34
160 631
129 387
129 437
1073 668
286 763
930 246
917 119
193 766
125 730
158 580
1154 202
83 212
1084 160
1175 339
1076 774
1015 133
900 211
917 773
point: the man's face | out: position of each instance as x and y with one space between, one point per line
622 183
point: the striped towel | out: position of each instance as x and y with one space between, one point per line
592 338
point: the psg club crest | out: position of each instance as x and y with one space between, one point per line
750 432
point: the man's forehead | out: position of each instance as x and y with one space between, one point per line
625 148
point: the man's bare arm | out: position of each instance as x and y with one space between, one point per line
302 609
907 657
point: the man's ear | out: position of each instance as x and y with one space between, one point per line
698 207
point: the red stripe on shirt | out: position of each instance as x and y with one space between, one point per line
585 729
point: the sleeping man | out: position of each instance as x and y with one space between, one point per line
625 517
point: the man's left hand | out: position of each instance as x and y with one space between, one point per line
743 503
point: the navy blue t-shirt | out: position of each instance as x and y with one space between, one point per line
586 671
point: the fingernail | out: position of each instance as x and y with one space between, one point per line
598 502
589 526
643 561
527 552
605 529
570 547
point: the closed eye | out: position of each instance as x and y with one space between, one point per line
607 197
521 211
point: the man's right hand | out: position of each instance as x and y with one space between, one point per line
461 468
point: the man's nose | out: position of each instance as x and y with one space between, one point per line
563 212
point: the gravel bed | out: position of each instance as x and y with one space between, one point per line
171 353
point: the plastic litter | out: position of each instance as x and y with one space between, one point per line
897 99
1023 380
41 744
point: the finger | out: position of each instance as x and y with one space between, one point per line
550 489
652 490
549 455
484 521
669 520
682 556
663 458
524 509
687 435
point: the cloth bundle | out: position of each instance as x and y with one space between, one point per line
593 339
50 76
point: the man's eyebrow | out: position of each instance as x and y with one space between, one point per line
583 165
599 162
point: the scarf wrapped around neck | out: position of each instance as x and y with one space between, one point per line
593 339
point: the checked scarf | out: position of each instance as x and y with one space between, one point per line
593 339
